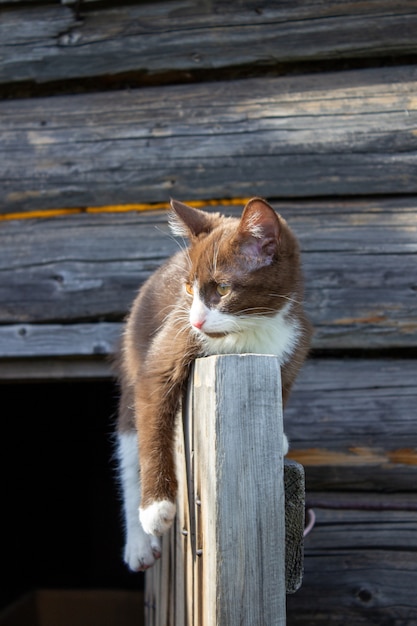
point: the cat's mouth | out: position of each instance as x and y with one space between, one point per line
215 335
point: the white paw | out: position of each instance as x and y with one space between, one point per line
285 444
141 551
157 517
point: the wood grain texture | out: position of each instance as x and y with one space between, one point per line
46 43
60 276
316 135
359 567
53 369
229 539
60 340
239 481
351 424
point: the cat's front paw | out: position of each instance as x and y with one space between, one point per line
157 518
141 551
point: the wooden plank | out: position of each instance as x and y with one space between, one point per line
17 2
78 263
49 369
47 43
235 487
378 511
239 465
359 566
59 340
358 505
360 270
318 135
351 424
358 256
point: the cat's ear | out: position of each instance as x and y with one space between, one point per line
259 231
185 221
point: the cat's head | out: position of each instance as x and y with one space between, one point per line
239 270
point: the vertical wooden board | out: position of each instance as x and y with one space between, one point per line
189 502
151 586
179 539
238 449
157 587
167 581
182 571
205 492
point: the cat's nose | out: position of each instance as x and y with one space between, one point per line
198 324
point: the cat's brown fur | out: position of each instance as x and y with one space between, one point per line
258 256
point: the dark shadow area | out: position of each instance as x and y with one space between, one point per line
143 78
61 521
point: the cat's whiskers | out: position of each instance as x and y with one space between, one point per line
236 324
236 327
182 244
182 329
263 310
171 308
162 324
180 268
179 312
184 247
179 240
290 299
215 257
182 314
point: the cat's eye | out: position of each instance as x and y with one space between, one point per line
223 289
189 288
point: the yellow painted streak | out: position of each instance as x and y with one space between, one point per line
42 213
353 457
117 208
404 456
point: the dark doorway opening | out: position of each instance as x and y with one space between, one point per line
61 521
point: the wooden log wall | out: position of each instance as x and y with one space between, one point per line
106 111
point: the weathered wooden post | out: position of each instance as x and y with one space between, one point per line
223 564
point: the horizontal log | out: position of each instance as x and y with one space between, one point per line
317 135
48 369
351 424
59 340
44 43
47 275
359 568
358 506
359 265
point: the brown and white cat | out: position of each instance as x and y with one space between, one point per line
236 289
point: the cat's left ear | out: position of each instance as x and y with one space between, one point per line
186 221
259 231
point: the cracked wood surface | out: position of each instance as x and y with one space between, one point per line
324 134
49 43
